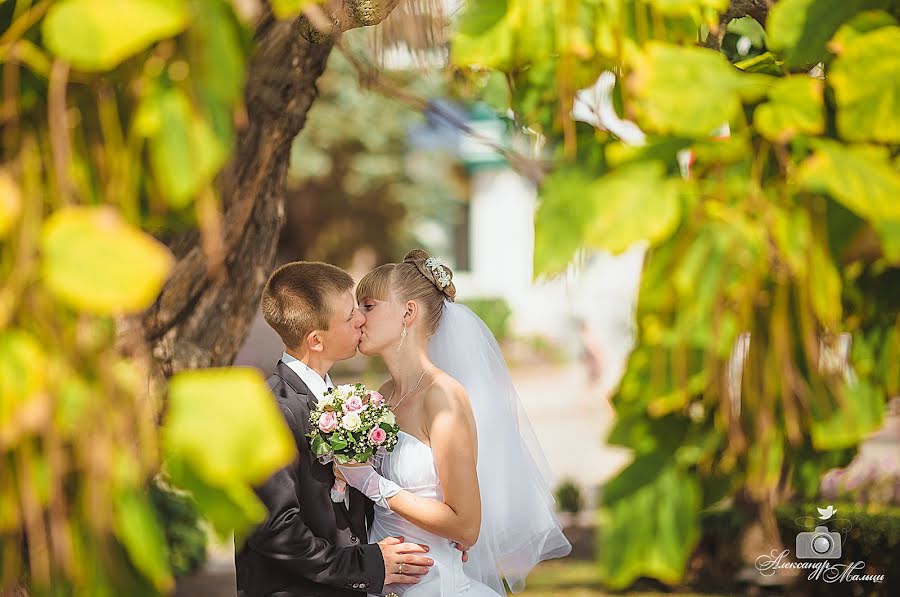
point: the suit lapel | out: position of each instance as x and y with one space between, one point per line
308 401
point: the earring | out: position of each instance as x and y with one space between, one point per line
402 337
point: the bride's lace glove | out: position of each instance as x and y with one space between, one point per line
365 478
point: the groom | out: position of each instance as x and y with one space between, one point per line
309 545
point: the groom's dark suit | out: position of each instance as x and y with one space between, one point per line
308 546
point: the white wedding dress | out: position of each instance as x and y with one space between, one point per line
518 520
411 466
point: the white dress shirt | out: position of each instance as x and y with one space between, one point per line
316 384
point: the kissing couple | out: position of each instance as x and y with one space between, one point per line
461 504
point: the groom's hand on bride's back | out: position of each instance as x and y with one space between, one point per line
404 563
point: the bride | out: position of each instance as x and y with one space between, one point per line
462 476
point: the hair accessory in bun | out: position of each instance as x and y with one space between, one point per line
438 269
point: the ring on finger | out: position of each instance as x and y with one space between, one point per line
400 568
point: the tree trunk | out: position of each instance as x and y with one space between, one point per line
204 312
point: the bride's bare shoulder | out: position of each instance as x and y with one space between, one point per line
446 393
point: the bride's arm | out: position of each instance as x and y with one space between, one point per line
451 433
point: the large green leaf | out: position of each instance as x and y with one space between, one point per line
226 425
666 105
562 215
504 34
861 177
140 532
622 201
605 213
799 29
96 262
794 107
184 151
652 531
866 83
96 35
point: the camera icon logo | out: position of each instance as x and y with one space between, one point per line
819 544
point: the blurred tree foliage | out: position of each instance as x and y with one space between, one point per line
766 244
124 123
351 180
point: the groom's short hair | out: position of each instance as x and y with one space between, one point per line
296 299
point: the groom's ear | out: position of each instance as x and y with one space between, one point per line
314 341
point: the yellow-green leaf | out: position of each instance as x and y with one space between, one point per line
226 425
799 29
96 35
284 9
22 385
866 83
666 105
824 284
861 177
10 203
96 262
889 231
622 201
794 107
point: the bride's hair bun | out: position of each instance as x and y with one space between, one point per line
438 274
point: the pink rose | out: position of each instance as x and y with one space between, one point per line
354 404
377 436
328 422
375 398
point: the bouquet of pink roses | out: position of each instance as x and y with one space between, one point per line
351 424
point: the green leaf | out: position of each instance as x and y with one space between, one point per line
184 151
864 22
605 213
824 283
861 177
319 446
245 439
619 200
337 443
849 418
794 107
96 35
218 67
22 379
765 63
232 507
799 29
505 34
140 532
95 262
634 544
666 105
561 218
866 82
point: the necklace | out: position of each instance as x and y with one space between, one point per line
409 392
